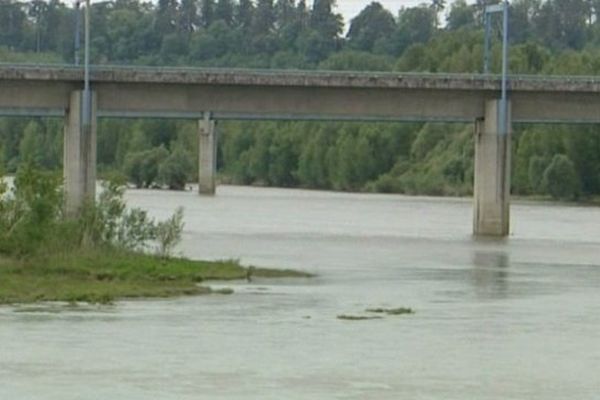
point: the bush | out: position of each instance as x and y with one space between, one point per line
560 179
168 233
29 212
175 169
32 220
141 168
535 173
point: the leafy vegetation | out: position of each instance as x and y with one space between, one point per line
391 311
547 37
98 257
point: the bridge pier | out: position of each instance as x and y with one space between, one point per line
491 190
207 155
79 159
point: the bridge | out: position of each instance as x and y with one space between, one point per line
209 95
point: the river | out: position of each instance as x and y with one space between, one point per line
495 319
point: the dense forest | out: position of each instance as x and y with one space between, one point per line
547 37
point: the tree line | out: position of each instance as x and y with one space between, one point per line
547 37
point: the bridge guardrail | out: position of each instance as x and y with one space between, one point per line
311 73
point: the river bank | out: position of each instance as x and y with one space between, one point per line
107 275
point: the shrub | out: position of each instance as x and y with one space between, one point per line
168 233
560 179
174 170
537 166
29 211
141 167
32 219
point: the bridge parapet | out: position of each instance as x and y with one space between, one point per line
299 78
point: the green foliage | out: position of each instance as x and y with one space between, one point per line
175 170
357 61
168 233
560 179
32 221
537 166
29 211
103 275
109 222
142 167
547 37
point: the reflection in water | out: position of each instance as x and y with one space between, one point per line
490 273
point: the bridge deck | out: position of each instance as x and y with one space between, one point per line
289 94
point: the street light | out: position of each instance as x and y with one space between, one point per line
77 29
87 106
496 8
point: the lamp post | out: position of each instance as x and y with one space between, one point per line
497 8
77 30
87 106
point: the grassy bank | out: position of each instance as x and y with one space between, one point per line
103 276
105 252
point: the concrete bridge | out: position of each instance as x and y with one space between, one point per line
211 95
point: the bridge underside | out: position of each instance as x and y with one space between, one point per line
140 100
207 98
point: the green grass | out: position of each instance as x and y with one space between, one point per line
391 311
103 276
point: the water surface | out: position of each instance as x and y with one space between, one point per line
516 318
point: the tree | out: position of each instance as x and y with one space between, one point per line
31 146
13 22
188 16
324 20
560 179
141 167
285 12
537 166
357 61
372 24
174 170
461 15
244 15
166 17
264 18
437 6
224 11
207 12
415 25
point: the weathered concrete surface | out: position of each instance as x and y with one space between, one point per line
491 192
306 78
79 166
207 155
240 94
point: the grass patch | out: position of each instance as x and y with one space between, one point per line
391 311
357 317
101 276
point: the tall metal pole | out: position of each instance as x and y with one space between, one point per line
503 99
486 46
87 107
77 30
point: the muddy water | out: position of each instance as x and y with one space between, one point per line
518 318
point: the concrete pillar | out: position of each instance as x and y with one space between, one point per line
492 174
79 163
207 155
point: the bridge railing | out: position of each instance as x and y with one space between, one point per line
304 72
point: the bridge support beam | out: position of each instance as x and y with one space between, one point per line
79 163
492 174
207 155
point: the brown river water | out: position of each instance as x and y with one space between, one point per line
495 319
